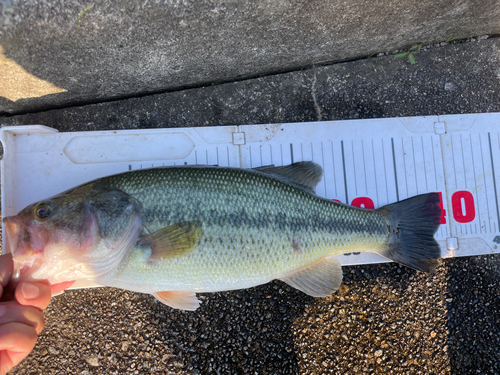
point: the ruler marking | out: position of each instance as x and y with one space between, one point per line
301 152
345 176
494 179
228 160
281 151
323 161
463 159
217 151
364 166
354 167
334 175
395 173
453 157
425 167
375 171
485 187
261 162
291 152
475 181
130 167
434 162
250 152
404 164
206 153
195 157
385 171
414 162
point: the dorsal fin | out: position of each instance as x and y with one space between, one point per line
304 173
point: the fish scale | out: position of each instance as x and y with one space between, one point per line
258 219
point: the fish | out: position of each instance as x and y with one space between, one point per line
176 231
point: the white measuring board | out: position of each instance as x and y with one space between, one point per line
367 163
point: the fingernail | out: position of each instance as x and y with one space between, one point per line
2 310
30 291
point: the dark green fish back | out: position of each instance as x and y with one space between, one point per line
237 197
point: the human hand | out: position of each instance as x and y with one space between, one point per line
21 317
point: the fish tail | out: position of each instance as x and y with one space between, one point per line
413 223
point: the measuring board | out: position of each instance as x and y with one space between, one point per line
366 163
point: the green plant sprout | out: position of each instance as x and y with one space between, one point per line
408 54
372 56
460 34
82 13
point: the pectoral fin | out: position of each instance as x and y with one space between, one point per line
173 241
178 300
320 279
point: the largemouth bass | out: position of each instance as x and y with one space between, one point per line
175 231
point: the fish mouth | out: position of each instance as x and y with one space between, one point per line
12 227
20 249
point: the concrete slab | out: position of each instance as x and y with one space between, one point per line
60 53
385 319
459 78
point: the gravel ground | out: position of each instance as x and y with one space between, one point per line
385 318
264 330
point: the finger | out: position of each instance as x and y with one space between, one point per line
11 312
17 340
6 266
36 294
57 288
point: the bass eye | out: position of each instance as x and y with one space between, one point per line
43 210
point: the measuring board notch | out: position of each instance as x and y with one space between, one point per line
440 127
451 246
239 138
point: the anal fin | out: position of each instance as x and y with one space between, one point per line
178 300
320 279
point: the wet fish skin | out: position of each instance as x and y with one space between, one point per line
255 227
